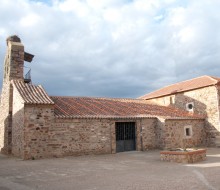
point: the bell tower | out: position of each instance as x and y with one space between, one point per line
14 59
13 70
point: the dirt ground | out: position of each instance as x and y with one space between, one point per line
122 171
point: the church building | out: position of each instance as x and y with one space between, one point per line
36 125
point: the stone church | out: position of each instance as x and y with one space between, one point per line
36 125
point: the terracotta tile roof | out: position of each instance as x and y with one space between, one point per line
32 94
187 85
77 107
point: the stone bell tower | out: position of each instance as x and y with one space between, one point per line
13 70
14 59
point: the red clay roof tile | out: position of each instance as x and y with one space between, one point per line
74 107
187 85
32 94
71 107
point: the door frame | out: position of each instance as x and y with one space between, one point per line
125 141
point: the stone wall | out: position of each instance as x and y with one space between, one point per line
14 61
160 133
188 156
38 121
5 128
174 134
13 69
17 124
146 129
96 136
206 102
216 133
81 136
46 136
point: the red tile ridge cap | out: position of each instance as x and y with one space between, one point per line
103 98
126 117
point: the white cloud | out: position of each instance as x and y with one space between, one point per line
114 47
77 7
29 20
178 16
187 35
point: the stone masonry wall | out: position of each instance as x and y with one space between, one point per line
217 133
81 136
174 134
189 156
148 133
46 137
4 120
13 69
205 102
38 121
15 61
218 89
96 136
17 125
160 133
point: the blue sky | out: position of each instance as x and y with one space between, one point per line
114 48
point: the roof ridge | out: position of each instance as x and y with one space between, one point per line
106 98
182 86
186 81
171 85
217 79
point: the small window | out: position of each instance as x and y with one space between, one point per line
190 106
172 99
188 131
164 101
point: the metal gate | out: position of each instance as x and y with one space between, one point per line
125 136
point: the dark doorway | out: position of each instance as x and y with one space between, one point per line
125 136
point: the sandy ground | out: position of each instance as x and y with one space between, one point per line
122 171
